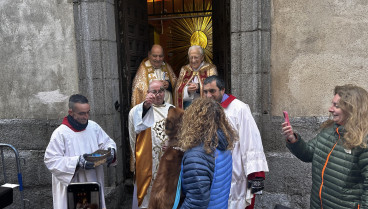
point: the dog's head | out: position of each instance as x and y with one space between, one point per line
173 124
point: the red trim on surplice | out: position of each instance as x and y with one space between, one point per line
226 103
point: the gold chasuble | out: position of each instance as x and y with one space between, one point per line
187 75
145 74
143 157
147 137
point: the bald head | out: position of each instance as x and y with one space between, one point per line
156 88
156 56
157 47
155 83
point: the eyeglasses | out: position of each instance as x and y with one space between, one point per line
157 92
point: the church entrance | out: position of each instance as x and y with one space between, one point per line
176 25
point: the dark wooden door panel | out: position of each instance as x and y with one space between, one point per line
132 33
221 39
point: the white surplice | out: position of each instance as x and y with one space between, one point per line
155 119
248 155
62 155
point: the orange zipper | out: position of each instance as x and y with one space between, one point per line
324 167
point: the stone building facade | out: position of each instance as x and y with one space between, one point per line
284 55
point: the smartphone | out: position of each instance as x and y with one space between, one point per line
84 195
286 116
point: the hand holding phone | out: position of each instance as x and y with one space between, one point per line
287 130
286 117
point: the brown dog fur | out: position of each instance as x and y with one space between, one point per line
164 187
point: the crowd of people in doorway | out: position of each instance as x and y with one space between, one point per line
194 146
213 123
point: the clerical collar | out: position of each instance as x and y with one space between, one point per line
199 66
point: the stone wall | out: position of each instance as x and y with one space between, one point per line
39 71
316 45
289 55
37 57
285 55
99 80
50 50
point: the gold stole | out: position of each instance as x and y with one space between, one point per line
143 170
141 81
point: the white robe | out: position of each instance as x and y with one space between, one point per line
62 155
155 119
248 155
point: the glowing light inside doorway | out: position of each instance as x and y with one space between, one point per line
192 31
198 38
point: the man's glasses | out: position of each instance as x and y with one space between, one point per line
157 92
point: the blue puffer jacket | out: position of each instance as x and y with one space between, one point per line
206 179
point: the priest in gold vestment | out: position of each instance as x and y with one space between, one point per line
153 68
147 137
190 82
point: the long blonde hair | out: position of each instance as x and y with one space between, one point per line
201 121
354 104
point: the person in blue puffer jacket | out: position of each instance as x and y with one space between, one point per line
206 137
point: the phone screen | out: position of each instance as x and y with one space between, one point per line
84 195
286 116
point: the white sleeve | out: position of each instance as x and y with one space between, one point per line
104 140
137 124
187 96
251 148
61 166
140 124
132 135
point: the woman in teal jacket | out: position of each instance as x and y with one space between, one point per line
338 153
207 138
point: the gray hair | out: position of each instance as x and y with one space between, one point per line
196 47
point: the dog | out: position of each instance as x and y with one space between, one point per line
164 187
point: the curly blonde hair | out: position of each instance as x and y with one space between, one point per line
354 104
201 121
